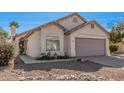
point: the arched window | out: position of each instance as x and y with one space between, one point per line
75 19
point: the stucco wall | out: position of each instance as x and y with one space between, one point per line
33 44
88 32
68 22
52 30
67 43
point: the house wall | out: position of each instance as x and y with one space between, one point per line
88 32
120 47
67 43
68 22
34 44
52 30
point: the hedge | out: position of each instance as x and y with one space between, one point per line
113 48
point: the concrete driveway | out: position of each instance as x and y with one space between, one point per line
117 62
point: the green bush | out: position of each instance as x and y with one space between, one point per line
6 53
48 56
62 57
113 48
45 57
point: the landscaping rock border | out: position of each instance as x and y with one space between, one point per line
67 77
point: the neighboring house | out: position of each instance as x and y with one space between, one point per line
120 47
72 35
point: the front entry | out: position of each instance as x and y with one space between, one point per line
22 47
89 47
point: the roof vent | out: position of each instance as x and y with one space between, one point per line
92 26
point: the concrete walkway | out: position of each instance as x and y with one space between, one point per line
29 60
107 60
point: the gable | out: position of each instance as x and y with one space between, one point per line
97 27
53 29
71 21
87 31
54 25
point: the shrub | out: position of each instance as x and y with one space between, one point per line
48 56
6 53
62 57
45 57
113 48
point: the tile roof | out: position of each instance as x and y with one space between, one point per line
29 32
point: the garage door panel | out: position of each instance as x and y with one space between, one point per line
90 47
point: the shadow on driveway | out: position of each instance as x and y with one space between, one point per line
73 65
108 61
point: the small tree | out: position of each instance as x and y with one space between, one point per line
6 53
117 33
6 48
116 36
3 33
3 36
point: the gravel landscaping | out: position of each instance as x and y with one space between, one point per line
24 76
85 71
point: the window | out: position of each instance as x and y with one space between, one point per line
75 19
52 43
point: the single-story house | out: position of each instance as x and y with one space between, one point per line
71 35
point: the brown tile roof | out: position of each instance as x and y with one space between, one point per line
54 22
76 28
72 15
29 32
61 27
67 32
22 33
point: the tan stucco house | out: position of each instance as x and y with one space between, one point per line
72 35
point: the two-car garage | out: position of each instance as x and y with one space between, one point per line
87 41
89 47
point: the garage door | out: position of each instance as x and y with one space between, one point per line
89 47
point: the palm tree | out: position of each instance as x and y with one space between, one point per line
13 26
14 23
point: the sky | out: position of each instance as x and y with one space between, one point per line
28 20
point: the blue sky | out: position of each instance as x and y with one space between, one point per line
28 20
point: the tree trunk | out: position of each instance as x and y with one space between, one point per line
10 66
